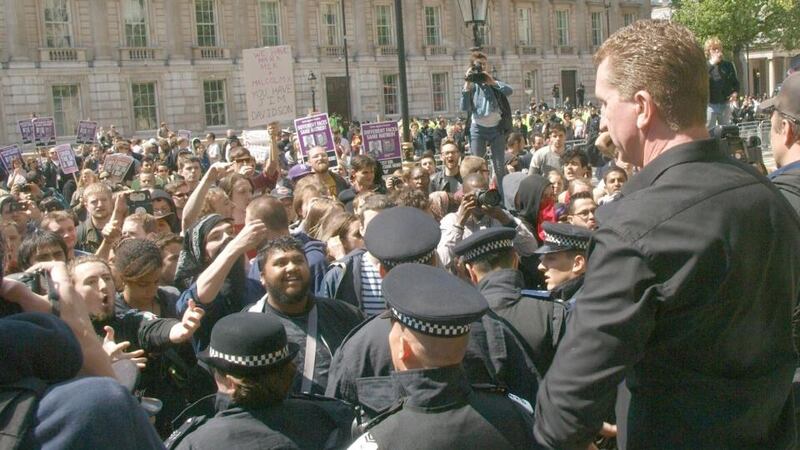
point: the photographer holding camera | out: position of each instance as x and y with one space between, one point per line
481 208
484 98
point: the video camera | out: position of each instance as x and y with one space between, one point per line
489 198
735 147
475 74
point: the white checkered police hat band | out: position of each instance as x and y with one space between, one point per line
489 247
424 259
563 241
251 360
433 329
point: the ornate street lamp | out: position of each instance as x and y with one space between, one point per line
474 12
313 80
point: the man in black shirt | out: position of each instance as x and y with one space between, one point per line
688 295
722 83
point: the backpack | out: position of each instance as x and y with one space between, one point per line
505 124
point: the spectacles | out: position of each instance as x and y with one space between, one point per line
585 213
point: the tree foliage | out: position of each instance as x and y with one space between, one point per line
737 23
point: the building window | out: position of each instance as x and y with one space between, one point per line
214 100
66 108
524 26
629 18
145 110
384 25
206 23
134 16
439 87
331 24
56 24
433 26
597 28
390 94
562 27
270 23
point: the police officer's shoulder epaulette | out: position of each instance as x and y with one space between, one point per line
202 407
184 430
396 406
358 327
537 294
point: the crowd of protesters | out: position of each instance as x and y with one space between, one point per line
229 289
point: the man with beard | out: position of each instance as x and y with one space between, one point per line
141 331
318 159
317 325
473 216
211 270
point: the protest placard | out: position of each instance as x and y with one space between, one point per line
382 141
258 142
66 158
25 128
44 131
7 156
185 133
313 131
269 84
117 165
87 132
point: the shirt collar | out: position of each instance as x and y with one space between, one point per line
701 150
783 169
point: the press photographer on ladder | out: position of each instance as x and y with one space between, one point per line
485 101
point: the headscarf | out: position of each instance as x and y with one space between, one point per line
191 261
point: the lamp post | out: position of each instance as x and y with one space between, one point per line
607 4
474 13
313 80
401 65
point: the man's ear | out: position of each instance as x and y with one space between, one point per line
645 109
788 137
579 264
473 277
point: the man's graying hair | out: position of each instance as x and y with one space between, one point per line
664 59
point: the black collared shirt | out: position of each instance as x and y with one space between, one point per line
691 281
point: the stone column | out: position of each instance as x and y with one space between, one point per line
98 20
771 75
302 35
19 49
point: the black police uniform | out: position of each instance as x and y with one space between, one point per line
439 409
533 314
248 344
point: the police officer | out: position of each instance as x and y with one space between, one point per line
431 313
493 266
359 372
563 259
253 367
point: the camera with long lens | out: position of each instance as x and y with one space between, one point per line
735 147
489 198
476 74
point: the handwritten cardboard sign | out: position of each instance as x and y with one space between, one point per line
269 84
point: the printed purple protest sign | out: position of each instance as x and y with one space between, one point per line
66 158
25 128
87 132
7 156
382 141
117 165
313 131
44 131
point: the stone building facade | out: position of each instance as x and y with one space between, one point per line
135 63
